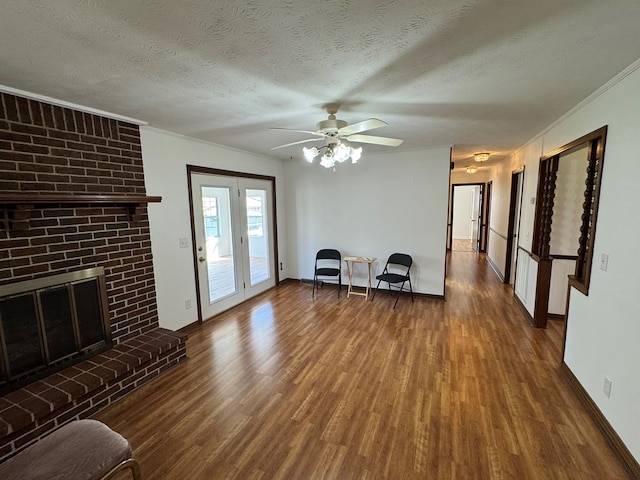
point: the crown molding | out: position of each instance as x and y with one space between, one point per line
74 106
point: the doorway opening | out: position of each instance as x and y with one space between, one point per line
565 222
467 218
233 224
513 228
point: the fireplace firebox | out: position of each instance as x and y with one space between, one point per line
47 324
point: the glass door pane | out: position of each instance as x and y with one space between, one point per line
258 235
219 240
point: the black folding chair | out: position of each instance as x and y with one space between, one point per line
328 264
396 271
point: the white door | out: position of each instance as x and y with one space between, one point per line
473 219
234 239
259 265
476 217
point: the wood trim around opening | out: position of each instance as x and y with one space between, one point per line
517 183
482 231
229 173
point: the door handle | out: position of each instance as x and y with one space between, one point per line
201 259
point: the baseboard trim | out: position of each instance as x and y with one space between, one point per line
523 309
617 445
309 281
190 328
494 267
429 295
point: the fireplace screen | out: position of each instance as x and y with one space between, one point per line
47 324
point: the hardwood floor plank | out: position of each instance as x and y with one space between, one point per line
286 387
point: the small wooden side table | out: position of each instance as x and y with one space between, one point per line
350 261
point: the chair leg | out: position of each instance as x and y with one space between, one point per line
411 289
130 464
313 289
375 291
398 297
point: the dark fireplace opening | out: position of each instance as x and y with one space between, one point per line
50 323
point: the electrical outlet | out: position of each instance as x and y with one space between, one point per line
184 242
606 387
187 304
604 262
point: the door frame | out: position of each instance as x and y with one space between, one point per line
540 248
487 214
481 224
228 173
513 228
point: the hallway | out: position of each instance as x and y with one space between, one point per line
288 387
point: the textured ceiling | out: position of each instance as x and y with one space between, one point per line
483 75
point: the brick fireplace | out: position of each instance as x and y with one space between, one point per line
72 197
50 323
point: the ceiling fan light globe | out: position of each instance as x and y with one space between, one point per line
356 153
327 161
310 153
342 153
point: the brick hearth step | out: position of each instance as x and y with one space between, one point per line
86 387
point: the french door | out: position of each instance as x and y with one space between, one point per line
234 241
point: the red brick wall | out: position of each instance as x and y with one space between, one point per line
49 149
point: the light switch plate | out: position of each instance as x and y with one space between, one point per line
604 262
606 387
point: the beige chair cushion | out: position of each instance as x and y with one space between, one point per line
80 450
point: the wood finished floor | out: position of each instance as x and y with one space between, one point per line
284 387
459 245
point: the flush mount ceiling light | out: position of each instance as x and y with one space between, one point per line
481 157
472 169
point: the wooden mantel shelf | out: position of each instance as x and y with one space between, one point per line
28 201
70 199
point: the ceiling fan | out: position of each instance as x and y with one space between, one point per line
335 131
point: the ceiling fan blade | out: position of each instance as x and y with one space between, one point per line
389 142
362 126
293 130
296 143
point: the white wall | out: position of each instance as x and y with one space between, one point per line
459 176
603 331
165 158
391 202
560 271
499 217
603 334
525 280
527 158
